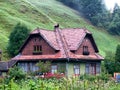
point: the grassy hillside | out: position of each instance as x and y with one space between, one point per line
44 14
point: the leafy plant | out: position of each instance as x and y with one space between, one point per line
44 67
16 73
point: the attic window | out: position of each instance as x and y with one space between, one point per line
85 50
37 50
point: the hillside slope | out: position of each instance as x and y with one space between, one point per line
44 14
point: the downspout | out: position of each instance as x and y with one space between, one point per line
67 67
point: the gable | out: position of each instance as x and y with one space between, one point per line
89 42
48 36
36 40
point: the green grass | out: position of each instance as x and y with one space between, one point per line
44 14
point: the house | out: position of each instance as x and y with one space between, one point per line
72 51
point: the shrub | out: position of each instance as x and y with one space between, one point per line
16 73
44 67
88 77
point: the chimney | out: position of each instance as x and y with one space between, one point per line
0 55
56 26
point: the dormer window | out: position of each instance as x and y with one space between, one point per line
85 50
37 50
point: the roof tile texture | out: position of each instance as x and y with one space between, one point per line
63 40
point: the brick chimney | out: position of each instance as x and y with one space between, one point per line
0 54
56 26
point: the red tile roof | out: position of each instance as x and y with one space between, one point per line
74 37
63 40
57 56
49 36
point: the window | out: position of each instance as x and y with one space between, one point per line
85 50
76 69
37 49
24 66
87 68
91 68
98 68
54 69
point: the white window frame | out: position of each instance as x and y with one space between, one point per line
77 69
54 69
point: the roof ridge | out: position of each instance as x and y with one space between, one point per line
62 41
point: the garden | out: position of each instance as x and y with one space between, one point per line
84 82
17 79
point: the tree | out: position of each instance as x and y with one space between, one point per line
112 61
117 54
91 8
117 58
109 63
116 10
114 27
16 39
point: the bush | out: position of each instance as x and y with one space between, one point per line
16 73
88 77
102 76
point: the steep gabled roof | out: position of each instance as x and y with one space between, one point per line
47 35
74 37
64 40
5 65
50 37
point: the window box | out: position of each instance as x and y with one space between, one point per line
37 52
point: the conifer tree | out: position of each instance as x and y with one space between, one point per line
117 59
117 54
16 39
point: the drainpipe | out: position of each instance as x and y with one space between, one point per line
0 55
67 67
